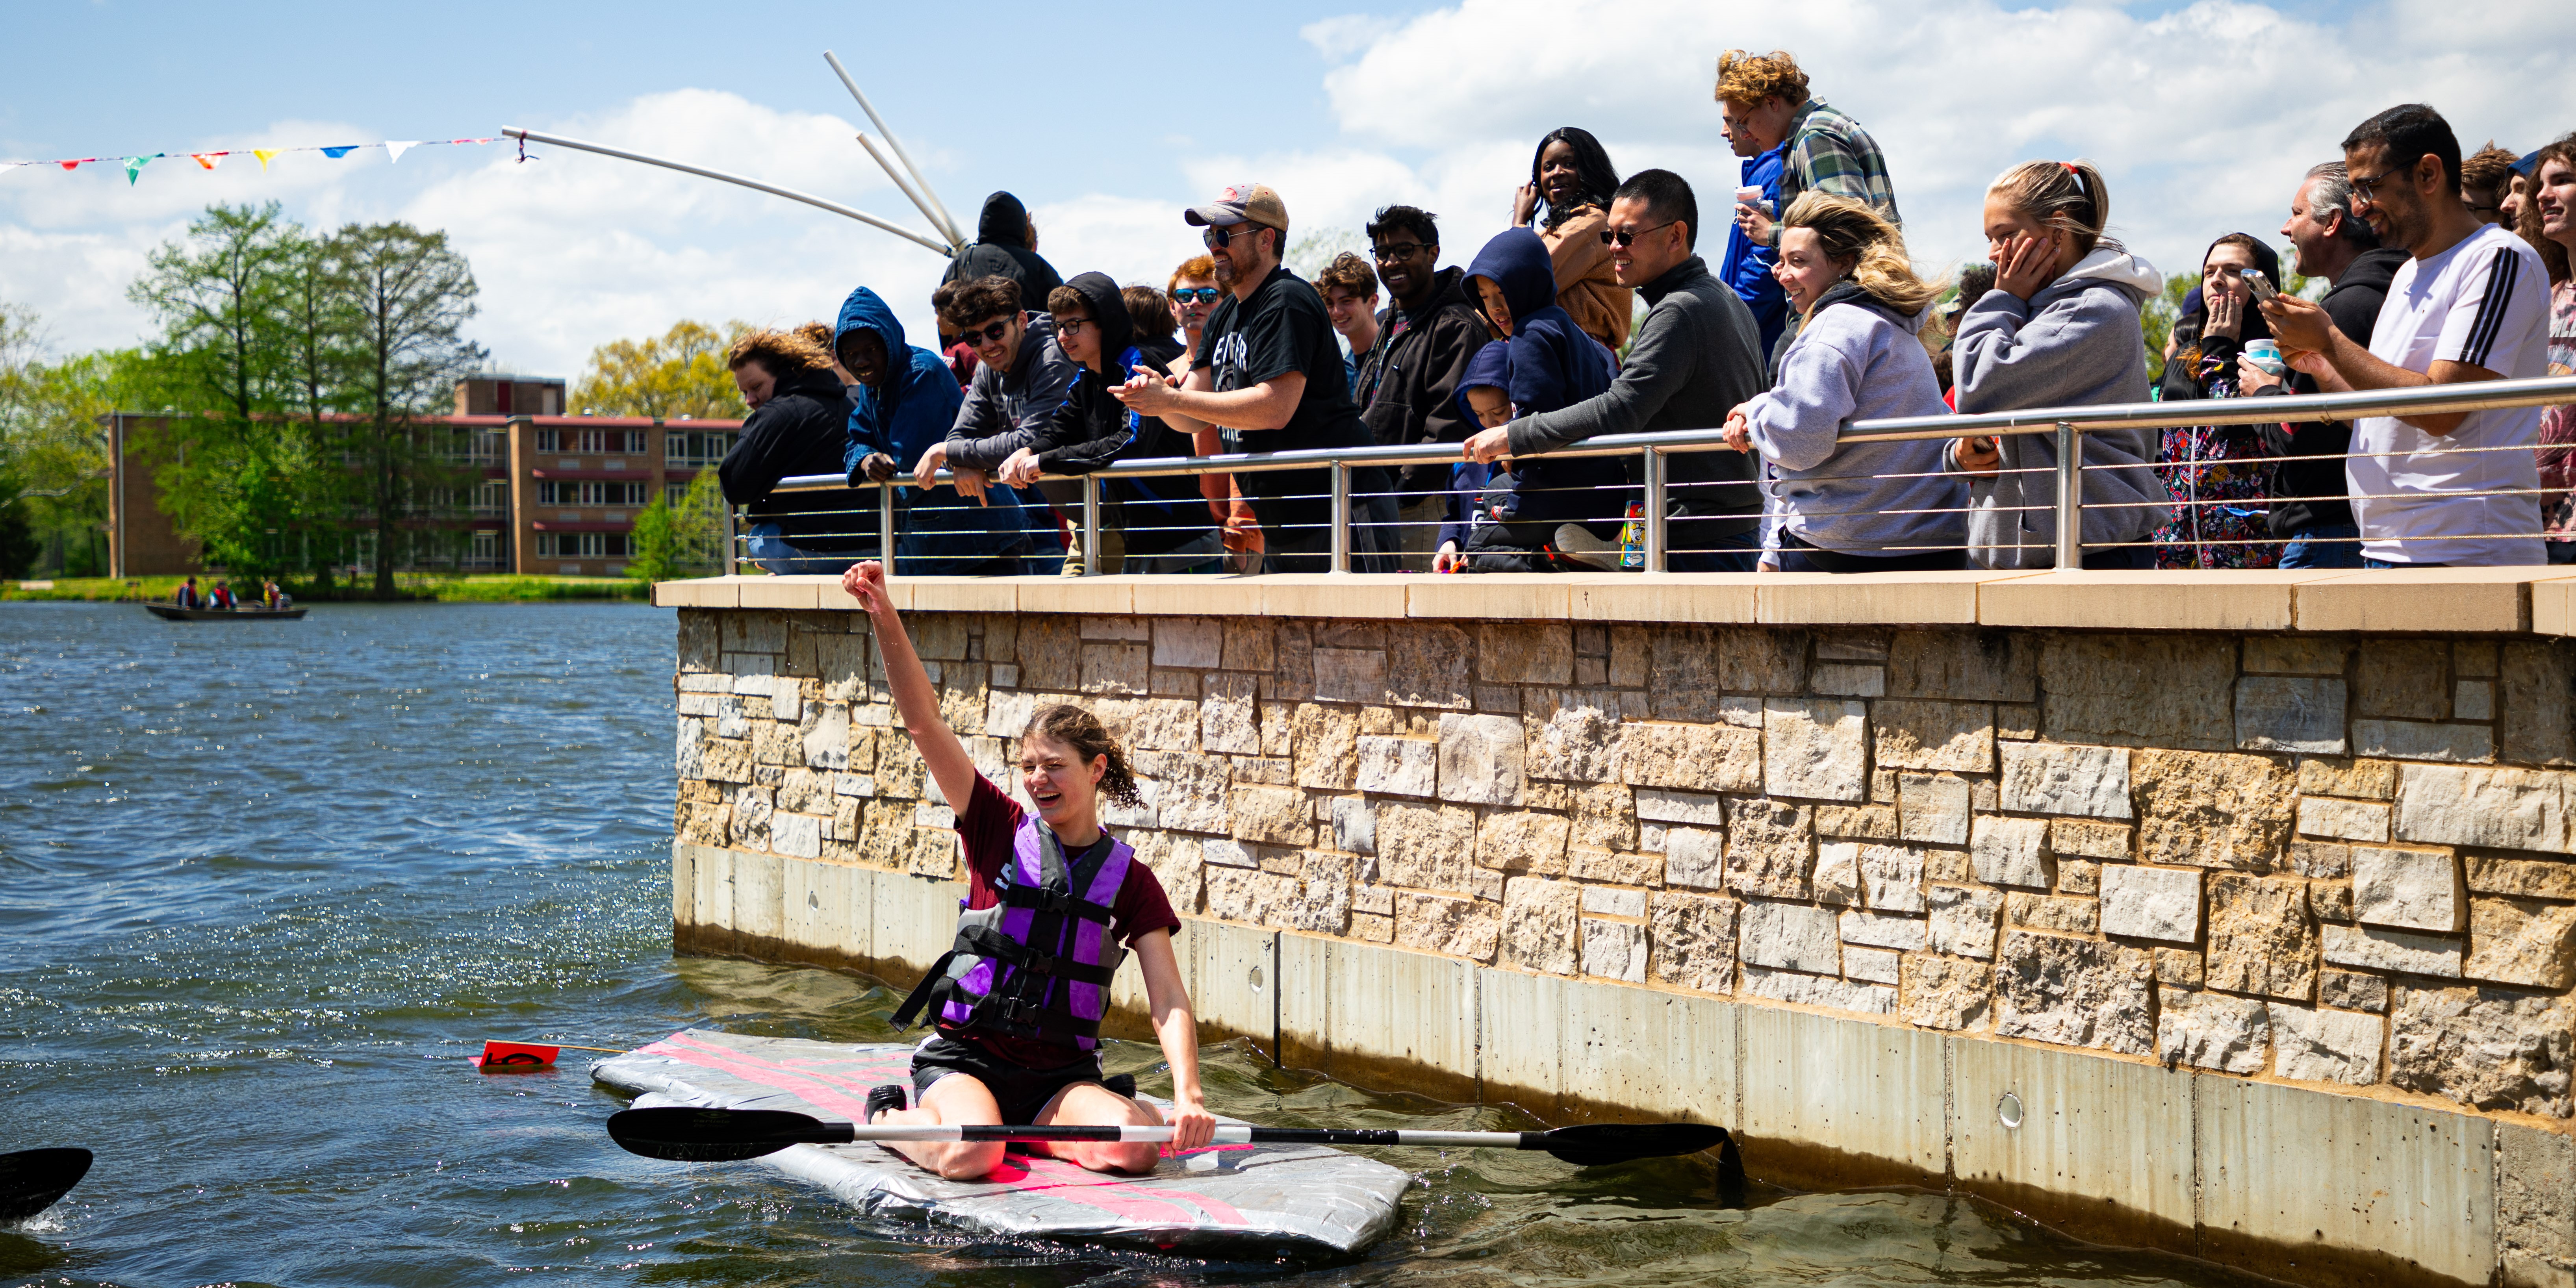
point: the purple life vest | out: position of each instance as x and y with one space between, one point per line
1037 964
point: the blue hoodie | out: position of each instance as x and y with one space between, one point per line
1491 368
942 531
1553 366
1747 267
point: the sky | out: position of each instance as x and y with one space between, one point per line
1108 122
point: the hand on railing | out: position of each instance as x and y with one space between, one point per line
1021 470
1488 446
1980 456
875 467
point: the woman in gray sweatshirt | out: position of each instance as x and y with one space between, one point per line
2060 329
1852 507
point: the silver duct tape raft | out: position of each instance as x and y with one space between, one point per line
1234 1200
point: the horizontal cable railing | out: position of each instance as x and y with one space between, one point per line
1655 488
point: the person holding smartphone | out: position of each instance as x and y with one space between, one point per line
2218 474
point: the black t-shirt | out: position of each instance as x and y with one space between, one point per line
1284 328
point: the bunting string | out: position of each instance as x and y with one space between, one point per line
394 149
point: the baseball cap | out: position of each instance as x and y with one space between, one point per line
1241 203
2529 162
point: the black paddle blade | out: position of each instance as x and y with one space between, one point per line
685 1135
31 1180
1601 1144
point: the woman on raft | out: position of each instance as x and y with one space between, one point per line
1017 1002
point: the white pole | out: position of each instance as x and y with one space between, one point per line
905 188
774 190
944 220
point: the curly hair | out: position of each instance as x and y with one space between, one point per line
1090 740
2553 256
2489 168
1348 272
2065 195
1747 79
982 298
1852 233
780 353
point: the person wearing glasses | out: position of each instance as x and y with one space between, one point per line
1194 293
1021 376
1268 368
1693 359
1407 389
2471 303
2486 176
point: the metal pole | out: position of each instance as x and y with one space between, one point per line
2070 496
1341 472
1654 507
733 539
946 224
885 525
905 188
1090 525
772 189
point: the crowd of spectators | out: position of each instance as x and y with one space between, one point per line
2420 265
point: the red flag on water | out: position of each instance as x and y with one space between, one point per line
514 1055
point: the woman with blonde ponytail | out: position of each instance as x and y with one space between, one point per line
1050 895
2059 329
1852 507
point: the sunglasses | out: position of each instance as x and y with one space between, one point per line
991 333
1194 295
1629 236
1219 234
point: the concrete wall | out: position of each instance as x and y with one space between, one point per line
2252 891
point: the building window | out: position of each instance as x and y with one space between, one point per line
550 440
675 493
492 497
695 449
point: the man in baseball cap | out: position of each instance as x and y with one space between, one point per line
1268 376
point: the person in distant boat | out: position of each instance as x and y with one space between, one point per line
274 596
224 596
186 595
1017 1003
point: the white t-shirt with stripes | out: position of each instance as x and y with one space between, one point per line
2436 499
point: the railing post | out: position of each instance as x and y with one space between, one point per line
2070 496
732 536
1653 473
1341 473
885 524
1090 525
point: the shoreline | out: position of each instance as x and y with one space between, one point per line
468 589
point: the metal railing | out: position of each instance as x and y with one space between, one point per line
2067 424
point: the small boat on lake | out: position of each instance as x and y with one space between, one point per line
174 613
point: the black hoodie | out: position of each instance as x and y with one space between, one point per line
2354 305
1408 391
1092 428
2183 379
802 429
1000 250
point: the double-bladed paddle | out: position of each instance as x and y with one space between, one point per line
687 1135
32 1179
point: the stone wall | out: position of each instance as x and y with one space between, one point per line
2340 860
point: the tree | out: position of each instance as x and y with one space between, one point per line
220 297
409 297
681 373
53 448
674 539
2155 321
1315 250
317 360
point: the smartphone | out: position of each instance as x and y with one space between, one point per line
2260 285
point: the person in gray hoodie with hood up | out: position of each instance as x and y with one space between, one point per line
2059 329
1859 507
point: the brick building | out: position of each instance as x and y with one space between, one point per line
551 494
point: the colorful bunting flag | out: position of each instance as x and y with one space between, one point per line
394 148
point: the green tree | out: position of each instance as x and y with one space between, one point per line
2155 321
1316 249
220 297
53 446
678 540
409 296
680 373
317 355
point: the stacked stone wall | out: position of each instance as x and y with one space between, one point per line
2339 860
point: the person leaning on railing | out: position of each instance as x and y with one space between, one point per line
1164 524
2548 221
2060 329
2221 484
800 415
1859 507
2470 305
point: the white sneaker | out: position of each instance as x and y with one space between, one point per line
1578 543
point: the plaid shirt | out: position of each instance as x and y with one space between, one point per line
1829 152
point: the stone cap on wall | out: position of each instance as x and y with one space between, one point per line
2537 600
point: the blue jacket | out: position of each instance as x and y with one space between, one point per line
942 532
1553 365
1747 267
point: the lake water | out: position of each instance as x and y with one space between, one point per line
264 886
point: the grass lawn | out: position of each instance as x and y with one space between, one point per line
471 588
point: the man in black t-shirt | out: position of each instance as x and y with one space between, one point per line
1268 369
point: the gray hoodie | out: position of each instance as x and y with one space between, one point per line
1856 359
2076 343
